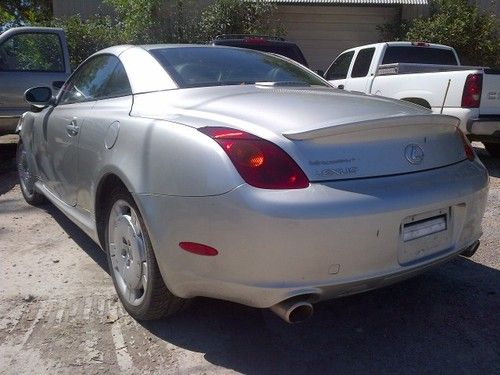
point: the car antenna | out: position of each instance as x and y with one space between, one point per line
445 95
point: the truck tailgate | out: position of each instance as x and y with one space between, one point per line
490 96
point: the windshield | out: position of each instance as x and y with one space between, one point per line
219 66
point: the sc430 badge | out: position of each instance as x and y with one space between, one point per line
337 171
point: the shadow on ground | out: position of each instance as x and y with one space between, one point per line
445 321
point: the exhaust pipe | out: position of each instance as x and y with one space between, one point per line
293 311
471 250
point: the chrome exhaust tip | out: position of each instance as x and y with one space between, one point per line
471 250
293 311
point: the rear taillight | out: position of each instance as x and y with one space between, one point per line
469 151
259 162
471 97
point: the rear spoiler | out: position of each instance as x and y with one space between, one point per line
383 123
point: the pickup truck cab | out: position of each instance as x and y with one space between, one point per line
429 75
29 56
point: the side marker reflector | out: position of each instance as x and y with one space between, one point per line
198 248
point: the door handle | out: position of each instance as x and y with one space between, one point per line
340 87
72 128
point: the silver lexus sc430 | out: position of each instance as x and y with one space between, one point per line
239 175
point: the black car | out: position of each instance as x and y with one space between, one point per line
262 43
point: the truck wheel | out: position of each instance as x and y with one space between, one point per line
493 149
27 177
132 263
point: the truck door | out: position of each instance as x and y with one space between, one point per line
29 57
360 76
337 72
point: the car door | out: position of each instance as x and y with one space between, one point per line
360 76
65 122
337 72
101 131
27 59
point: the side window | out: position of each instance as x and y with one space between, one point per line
88 82
32 52
340 67
362 63
118 84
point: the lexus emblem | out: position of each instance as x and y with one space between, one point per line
414 154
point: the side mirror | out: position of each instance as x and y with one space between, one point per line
320 72
39 96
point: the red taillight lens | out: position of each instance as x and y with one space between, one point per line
198 248
259 162
471 97
468 149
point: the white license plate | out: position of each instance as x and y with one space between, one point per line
422 228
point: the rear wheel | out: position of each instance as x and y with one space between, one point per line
493 149
27 176
132 263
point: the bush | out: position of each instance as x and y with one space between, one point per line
88 36
239 17
473 34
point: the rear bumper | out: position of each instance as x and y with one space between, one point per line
485 128
325 241
474 124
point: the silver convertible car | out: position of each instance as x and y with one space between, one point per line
239 175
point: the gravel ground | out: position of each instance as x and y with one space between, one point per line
59 313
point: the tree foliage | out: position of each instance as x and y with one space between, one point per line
473 34
85 37
25 12
146 21
239 17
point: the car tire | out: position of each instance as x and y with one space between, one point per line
132 263
27 177
493 149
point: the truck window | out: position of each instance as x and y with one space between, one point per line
32 52
419 55
362 63
340 67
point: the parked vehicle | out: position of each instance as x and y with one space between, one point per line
429 75
234 174
262 43
29 56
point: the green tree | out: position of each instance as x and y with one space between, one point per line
239 17
24 12
472 33
88 36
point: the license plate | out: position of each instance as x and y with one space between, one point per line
425 234
422 228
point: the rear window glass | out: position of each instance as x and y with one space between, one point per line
219 66
362 63
419 55
288 50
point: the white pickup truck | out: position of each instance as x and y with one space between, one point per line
429 75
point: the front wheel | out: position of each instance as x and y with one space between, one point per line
493 149
132 263
27 176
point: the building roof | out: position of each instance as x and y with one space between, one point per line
351 2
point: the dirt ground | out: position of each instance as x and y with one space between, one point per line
59 313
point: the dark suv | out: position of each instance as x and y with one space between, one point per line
262 43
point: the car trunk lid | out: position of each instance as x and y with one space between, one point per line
377 147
